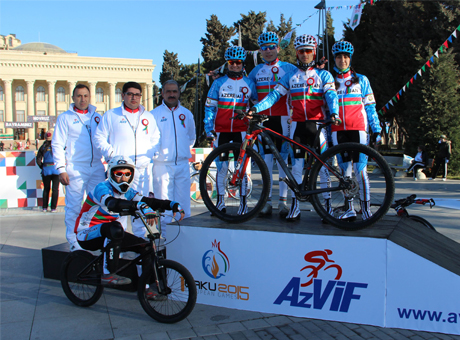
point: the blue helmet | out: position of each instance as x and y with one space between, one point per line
268 38
342 47
235 53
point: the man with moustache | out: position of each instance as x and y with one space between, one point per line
171 172
131 131
76 158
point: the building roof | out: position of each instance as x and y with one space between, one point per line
39 47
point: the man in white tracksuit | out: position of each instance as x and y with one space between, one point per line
77 159
171 171
131 131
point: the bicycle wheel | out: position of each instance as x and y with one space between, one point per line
370 189
234 192
81 282
181 293
239 208
195 193
421 220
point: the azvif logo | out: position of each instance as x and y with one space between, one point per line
319 285
215 262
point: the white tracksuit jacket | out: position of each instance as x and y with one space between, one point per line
116 136
171 171
74 152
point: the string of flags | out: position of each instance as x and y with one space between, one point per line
419 73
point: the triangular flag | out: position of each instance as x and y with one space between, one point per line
441 49
436 54
404 88
391 102
400 92
446 44
450 39
458 28
420 72
387 107
432 60
411 80
407 84
428 63
455 34
423 68
384 109
397 96
415 76
394 99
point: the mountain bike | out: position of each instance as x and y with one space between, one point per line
330 165
195 192
81 280
400 207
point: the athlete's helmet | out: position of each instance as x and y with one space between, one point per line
305 41
120 162
342 47
235 53
268 38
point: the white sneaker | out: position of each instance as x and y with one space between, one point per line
444 179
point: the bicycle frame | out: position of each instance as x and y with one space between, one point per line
299 190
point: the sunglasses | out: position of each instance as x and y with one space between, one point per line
119 174
268 47
305 51
234 62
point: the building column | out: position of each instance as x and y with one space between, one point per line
92 92
149 96
112 95
8 104
51 97
31 107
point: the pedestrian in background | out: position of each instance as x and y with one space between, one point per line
45 162
443 153
420 161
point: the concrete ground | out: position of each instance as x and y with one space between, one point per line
32 307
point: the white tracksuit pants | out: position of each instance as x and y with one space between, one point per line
83 179
172 182
141 184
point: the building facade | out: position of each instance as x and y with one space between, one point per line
37 81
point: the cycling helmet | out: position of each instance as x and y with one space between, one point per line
305 41
235 53
120 162
268 38
342 47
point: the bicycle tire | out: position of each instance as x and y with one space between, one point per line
421 220
195 192
260 184
380 191
181 298
83 293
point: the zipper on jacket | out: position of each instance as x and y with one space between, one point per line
175 133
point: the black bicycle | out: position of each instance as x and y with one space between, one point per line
323 178
400 207
81 280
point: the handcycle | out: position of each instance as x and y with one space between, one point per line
195 192
312 188
81 280
400 207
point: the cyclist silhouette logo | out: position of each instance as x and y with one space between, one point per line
320 258
215 262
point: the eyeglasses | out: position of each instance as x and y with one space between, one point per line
120 174
136 95
234 62
305 51
268 47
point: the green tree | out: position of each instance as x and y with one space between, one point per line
287 54
171 67
215 42
434 109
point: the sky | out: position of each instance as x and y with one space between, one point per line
145 29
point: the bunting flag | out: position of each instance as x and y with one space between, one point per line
429 62
356 16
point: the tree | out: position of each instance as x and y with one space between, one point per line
171 67
215 43
434 108
287 54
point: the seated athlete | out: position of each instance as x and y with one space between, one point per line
98 224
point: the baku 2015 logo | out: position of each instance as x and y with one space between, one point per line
215 262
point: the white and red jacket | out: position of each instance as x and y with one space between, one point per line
117 136
177 129
73 139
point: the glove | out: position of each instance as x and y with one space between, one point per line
285 146
377 138
146 210
251 111
335 118
176 207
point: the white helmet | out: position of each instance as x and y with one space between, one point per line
120 162
305 41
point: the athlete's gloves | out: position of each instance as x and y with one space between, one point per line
377 138
251 111
146 210
336 119
175 206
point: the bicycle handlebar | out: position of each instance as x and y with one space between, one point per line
405 202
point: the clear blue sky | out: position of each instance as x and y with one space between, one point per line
145 29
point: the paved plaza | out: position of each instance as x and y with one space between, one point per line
33 307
